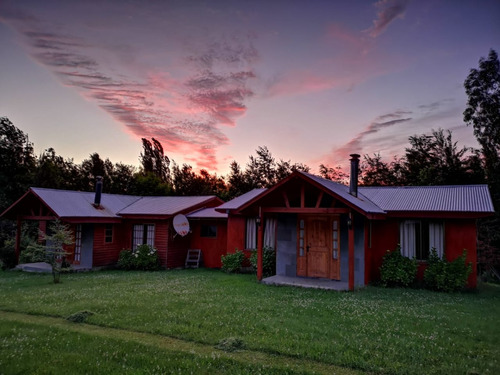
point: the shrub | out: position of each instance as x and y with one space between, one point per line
33 253
231 263
8 255
268 261
446 276
144 258
397 270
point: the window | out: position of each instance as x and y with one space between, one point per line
418 237
78 243
269 233
208 231
108 233
143 234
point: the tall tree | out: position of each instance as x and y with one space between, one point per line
17 163
153 160
482 87
54 172
434 159
334 174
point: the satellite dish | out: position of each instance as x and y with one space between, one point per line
181 225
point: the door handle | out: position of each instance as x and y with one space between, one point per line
307 248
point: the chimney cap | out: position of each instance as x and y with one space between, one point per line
355 156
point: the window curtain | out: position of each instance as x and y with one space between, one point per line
137 236
150 238
407 240
251 236
436 238
270 233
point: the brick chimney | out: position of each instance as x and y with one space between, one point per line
353 184
98 192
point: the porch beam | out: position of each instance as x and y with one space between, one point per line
285 197
302 196
351 250
320 197
36 217
305 210
260 240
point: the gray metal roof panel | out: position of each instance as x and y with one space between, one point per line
237 202
361 201
454 198
162 205
206 213
68 203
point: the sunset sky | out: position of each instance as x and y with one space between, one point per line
212 80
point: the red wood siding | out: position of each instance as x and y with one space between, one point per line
461 235
212 248
161 240
106 254
384 236
177 248
236 226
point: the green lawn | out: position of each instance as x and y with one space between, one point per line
170 322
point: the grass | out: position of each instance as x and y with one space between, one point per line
183 315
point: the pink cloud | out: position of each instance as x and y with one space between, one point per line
184 114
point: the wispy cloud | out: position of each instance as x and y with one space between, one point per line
389 10
363 140
185 114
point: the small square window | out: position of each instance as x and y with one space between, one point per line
209 231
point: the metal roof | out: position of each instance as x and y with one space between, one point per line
67 203
456 198
237 202
206 213
162 205
361 201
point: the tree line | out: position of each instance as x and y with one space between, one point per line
430 159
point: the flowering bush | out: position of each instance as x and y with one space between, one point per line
144 258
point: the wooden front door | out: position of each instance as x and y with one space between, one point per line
318 252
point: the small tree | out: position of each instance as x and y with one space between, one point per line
54 248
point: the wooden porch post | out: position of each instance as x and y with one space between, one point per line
260 241
350 226
18 239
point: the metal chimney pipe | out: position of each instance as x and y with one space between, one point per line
353 184
98 191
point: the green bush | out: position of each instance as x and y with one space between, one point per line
268 261
446 276
33 253
231 263
144 258
397 270
8 255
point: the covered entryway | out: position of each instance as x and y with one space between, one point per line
318 250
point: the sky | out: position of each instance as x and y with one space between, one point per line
314 81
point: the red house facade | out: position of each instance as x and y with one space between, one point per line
318 228
106 224
323 229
